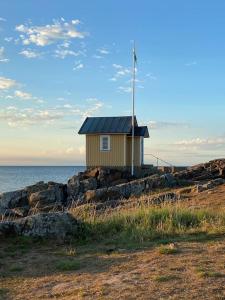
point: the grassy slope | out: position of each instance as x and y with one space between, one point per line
126 255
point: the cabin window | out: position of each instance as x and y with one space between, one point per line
105 143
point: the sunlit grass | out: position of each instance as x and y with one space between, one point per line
143 224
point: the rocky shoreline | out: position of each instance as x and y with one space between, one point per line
43 209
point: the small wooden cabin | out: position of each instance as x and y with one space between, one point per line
109 141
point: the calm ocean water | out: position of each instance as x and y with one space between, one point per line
13 178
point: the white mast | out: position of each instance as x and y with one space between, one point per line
133 97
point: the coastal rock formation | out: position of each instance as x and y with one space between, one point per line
54 194
39 196
58 225
210 170
132 188
100 185
208 185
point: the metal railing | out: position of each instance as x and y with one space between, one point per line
159 159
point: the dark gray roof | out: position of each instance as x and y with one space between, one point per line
141 131
121 125
107 125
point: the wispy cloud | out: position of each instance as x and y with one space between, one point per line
125 89
8 39
49 34
63 50
2 19
202 141
97 56
63 53
2 55
78 66
28 53
192 63
25 117
103 51
120 72
23 95
151 76
7 83
157 125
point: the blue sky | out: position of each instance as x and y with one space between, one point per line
61 61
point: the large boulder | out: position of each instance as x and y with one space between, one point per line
13 199
37 187
54 194
58 225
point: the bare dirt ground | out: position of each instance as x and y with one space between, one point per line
55 271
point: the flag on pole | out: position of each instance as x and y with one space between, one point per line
135 56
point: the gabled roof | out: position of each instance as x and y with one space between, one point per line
120 125
107 125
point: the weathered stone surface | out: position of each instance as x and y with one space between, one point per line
210 170
126 190
13 199
18 212
52 225
89 184
37 187
208 185
54 194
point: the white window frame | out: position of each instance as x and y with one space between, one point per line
101 143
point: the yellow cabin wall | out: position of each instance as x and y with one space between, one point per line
114 157
137 153
119 154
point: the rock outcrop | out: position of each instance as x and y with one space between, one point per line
210 170
41 196
38 210
58 225
132 188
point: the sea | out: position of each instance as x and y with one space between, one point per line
14 178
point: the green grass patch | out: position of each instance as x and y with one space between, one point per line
67 265
209 273
3 293
165 278
147 224
16 268
168 250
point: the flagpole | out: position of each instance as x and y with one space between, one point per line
133 98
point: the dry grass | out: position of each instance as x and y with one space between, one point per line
195 272
179 262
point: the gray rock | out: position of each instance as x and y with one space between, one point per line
73 187
9 228
126 190
54 194
18 212
37 187
89 184
209 185
13 199
52 225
